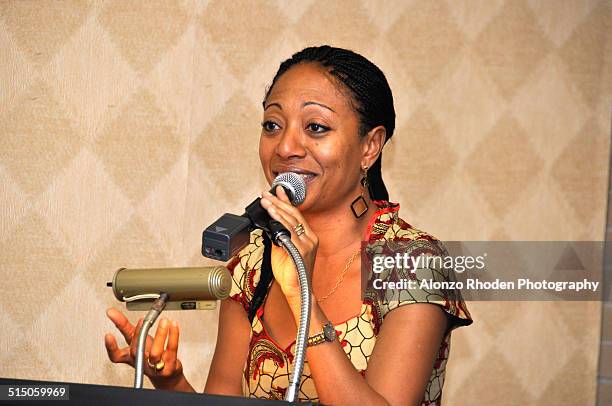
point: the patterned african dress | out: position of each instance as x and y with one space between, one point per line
267 370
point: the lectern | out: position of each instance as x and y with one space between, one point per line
100 395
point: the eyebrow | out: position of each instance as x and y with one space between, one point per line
318 104
273 104
308 103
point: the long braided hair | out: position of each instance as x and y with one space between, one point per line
372 100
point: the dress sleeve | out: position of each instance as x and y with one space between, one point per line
419 273
245 270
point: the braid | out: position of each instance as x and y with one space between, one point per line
265 279
371 96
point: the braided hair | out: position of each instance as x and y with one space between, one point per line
370 96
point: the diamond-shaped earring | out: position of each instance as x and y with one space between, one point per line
359 206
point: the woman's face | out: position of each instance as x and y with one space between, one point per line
309 128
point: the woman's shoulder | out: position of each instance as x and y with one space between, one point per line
397 237
388 227
245 269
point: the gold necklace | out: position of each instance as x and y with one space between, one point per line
339 281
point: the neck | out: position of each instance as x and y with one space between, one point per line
339 230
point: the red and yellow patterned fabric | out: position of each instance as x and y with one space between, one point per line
266 373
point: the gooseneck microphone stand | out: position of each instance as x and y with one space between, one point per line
302 332
156 308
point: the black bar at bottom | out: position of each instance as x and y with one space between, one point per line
85 394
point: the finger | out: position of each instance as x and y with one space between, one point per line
173 339
289 216
274 205
305 240
277 201
159 342
292 223
170 355
282 195
115 354
286 220
292 213
122 323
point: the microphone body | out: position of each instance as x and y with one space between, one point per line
187 288
230 233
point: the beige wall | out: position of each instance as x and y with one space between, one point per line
127 127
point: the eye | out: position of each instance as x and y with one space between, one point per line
317 128
269 126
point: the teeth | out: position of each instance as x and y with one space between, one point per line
303 175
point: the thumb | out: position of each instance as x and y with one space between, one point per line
113 351
109 341
281 194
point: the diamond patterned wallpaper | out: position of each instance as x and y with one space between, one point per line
128 126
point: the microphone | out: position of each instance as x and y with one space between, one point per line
187 288
230 233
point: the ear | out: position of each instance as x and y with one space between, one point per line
372 146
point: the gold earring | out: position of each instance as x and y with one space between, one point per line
364 178
359 206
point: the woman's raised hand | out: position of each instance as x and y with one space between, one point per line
280 208
161 363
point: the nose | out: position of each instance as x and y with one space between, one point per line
291 143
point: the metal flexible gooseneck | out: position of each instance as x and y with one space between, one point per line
156 308
302 331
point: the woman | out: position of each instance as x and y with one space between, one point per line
327 115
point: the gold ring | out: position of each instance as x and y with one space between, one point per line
158 366
150 365
299 229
